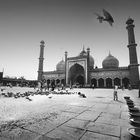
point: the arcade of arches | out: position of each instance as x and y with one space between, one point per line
109 83
101 83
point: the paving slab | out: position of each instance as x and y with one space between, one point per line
76 109
58 107
77 123
125 123
110 115
62 118
88 115
66 133
97 136
124 107
104 129
124 115
99 107
43 137
113 108
107 120
124 133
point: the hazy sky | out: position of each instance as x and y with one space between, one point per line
64 25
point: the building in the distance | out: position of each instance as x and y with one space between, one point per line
1 77
81 70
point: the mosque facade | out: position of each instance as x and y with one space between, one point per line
80 70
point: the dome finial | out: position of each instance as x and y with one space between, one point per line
83 52
109 53
83 47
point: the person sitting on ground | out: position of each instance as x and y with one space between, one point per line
81 95
28 98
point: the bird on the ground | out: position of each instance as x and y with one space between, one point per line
107 17
28 98
2 89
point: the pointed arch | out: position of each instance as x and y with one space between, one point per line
117 82
101 82
125 82
94 81
109 83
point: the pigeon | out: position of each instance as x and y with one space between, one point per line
28 98
107 17
99 17
2 89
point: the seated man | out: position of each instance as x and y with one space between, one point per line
81 95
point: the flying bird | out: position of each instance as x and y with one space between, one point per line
107 17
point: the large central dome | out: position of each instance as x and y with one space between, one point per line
110 62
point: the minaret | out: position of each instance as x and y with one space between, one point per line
40 67
66 55
133 66
88 65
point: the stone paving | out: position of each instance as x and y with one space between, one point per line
97 117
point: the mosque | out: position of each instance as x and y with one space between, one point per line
80 70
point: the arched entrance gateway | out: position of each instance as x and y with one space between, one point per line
76 75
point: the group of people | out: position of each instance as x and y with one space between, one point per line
47 86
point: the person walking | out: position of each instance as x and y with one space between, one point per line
115 93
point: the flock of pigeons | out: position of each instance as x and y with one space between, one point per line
27 95
23 95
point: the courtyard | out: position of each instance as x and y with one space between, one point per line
67 116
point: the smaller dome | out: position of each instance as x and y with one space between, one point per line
110 62
91 60
60 66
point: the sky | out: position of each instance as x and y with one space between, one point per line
64 25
